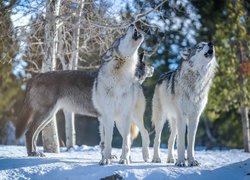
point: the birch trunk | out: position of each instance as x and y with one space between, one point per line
50 134
70 129
76 36
70 117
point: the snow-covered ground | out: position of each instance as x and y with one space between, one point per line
82 163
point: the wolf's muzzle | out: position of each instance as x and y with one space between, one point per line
136 34
210 52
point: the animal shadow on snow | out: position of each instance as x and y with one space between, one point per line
235 171
12 163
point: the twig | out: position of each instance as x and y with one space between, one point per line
137 18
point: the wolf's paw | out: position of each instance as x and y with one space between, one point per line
180 163
171 160
156 160
124 161
37 154
193 163
105 162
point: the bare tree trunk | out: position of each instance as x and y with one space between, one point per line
50 137
243 108
244 111
208 132
76 36
70 129
73 64
50 134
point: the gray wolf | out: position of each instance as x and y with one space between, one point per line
46 93
117 93
180 97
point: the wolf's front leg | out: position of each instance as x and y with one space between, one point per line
124 127
145 140
101 131
192 128
181 131
138 120
157 141
108 129
171 140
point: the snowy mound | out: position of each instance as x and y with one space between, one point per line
82 163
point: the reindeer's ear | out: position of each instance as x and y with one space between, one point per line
107 56
185 53
141 56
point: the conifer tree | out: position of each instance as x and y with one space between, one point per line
9 86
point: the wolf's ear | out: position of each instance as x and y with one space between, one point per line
185 53
141 56
107 56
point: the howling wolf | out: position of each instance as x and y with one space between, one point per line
116 92
180 97
46 93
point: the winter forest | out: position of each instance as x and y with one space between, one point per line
38 36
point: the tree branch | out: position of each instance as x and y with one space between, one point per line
137 18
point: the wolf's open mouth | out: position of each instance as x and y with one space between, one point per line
209 53
136 34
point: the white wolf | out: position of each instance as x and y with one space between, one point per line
116 91
180 97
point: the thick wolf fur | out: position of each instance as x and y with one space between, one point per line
117 92
180 97
46 93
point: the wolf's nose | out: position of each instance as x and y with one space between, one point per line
210 51
131 25
210 44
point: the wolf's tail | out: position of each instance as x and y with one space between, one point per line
23 119
134 131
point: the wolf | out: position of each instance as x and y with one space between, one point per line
180 96
142 72
117 92
71 90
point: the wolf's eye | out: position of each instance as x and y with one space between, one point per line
199 48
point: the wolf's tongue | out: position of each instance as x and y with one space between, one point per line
210 52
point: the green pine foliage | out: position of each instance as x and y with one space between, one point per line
9 86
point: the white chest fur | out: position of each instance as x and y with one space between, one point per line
114 90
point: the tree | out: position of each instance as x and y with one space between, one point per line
73 65
9 84
50 134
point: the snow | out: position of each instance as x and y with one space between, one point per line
82 163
